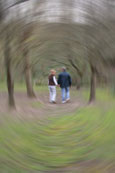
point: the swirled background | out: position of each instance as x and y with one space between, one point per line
35 37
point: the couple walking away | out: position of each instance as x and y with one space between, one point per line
64 81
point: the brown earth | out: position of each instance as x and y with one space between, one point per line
38 107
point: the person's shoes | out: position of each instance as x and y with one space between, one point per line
54 102
63 102
67 100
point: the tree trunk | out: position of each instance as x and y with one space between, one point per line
10 82
92 85
28 75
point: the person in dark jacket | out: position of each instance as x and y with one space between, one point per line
64 81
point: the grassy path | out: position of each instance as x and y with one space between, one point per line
41 137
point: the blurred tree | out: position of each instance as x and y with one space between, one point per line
7 50
10 82
26 33
7 55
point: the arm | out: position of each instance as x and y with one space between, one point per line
55 81
59 79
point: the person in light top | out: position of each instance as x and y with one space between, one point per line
52 83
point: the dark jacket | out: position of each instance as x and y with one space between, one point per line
64 80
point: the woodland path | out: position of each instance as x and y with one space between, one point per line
39 107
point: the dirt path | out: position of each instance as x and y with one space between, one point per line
39 107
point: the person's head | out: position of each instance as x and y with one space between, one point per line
52 71
63 69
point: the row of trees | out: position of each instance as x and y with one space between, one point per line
15 31
85 47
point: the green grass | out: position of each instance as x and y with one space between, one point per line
37 104
21 87
86 134
3 86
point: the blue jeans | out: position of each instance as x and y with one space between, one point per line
65 93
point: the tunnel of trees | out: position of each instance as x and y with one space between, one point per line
31 45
